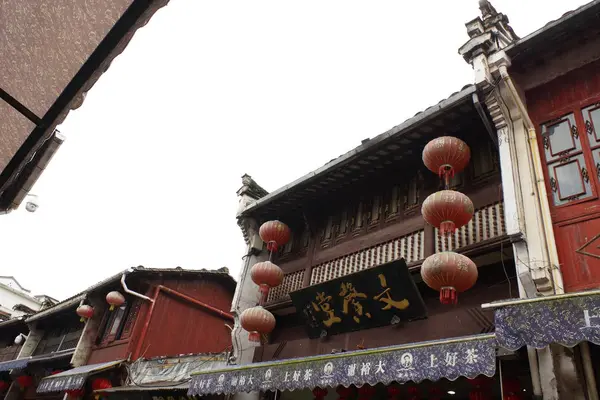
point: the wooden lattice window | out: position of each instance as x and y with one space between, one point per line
118 324
565 161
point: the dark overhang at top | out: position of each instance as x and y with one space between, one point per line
577 25
51 53
459 115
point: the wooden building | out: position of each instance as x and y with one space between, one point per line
176 317
12 336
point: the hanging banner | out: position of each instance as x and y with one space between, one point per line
450 359
374 297
563 319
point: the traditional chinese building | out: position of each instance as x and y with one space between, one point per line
543 91
354 314
44 76
12 335
145 330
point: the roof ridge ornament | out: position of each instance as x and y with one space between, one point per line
487 9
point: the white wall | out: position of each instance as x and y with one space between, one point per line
11 294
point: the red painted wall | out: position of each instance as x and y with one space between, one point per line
179 327
576 222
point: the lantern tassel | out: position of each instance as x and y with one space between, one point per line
448 295
446 172
81 319
447 228
272 246
112 307
254 337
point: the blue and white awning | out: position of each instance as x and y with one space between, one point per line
467 356
73 379
14 364
564 319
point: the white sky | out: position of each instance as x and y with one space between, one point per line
210 90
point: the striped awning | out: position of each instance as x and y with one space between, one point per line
564 319
73 379
467 356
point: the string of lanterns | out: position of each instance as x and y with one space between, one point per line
256 320
447 210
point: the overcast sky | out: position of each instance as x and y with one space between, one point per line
210 90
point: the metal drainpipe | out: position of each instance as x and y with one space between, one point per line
138 348
588 368
131 292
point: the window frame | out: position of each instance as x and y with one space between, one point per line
130 310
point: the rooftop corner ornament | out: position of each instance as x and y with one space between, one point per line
447 210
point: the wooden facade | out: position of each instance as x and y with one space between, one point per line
566 111
370 214
174 324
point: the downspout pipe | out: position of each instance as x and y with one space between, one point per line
131 292
588 368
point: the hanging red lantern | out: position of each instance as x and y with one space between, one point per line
481 388
449 273
274 234
257 321
85 312
447 210
319 393
75 392
101 383
446 155
24 381
512 389
393 392
115 299
266 275
4 385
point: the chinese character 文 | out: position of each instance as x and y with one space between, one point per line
471 356
386 297
351 296
324 305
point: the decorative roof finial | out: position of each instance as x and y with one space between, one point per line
487 9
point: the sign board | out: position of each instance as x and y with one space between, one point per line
377 296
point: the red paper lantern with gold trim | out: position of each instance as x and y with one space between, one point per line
76 392
319 393
24 381
449 273
115 299
447 210
85 312
274 234
446 155
344 392
266 275
257 321
4 385
101 383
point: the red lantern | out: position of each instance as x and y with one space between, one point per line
266 274
25 381
4 385
101 383
115 299
446 156
257 321
319 393
274 234
76 392
447 210
56 372
481 388
85 311
449 273
512 389
344 392
393 392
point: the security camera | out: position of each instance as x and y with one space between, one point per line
32 203
20 339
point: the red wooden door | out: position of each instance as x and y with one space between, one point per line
567 111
